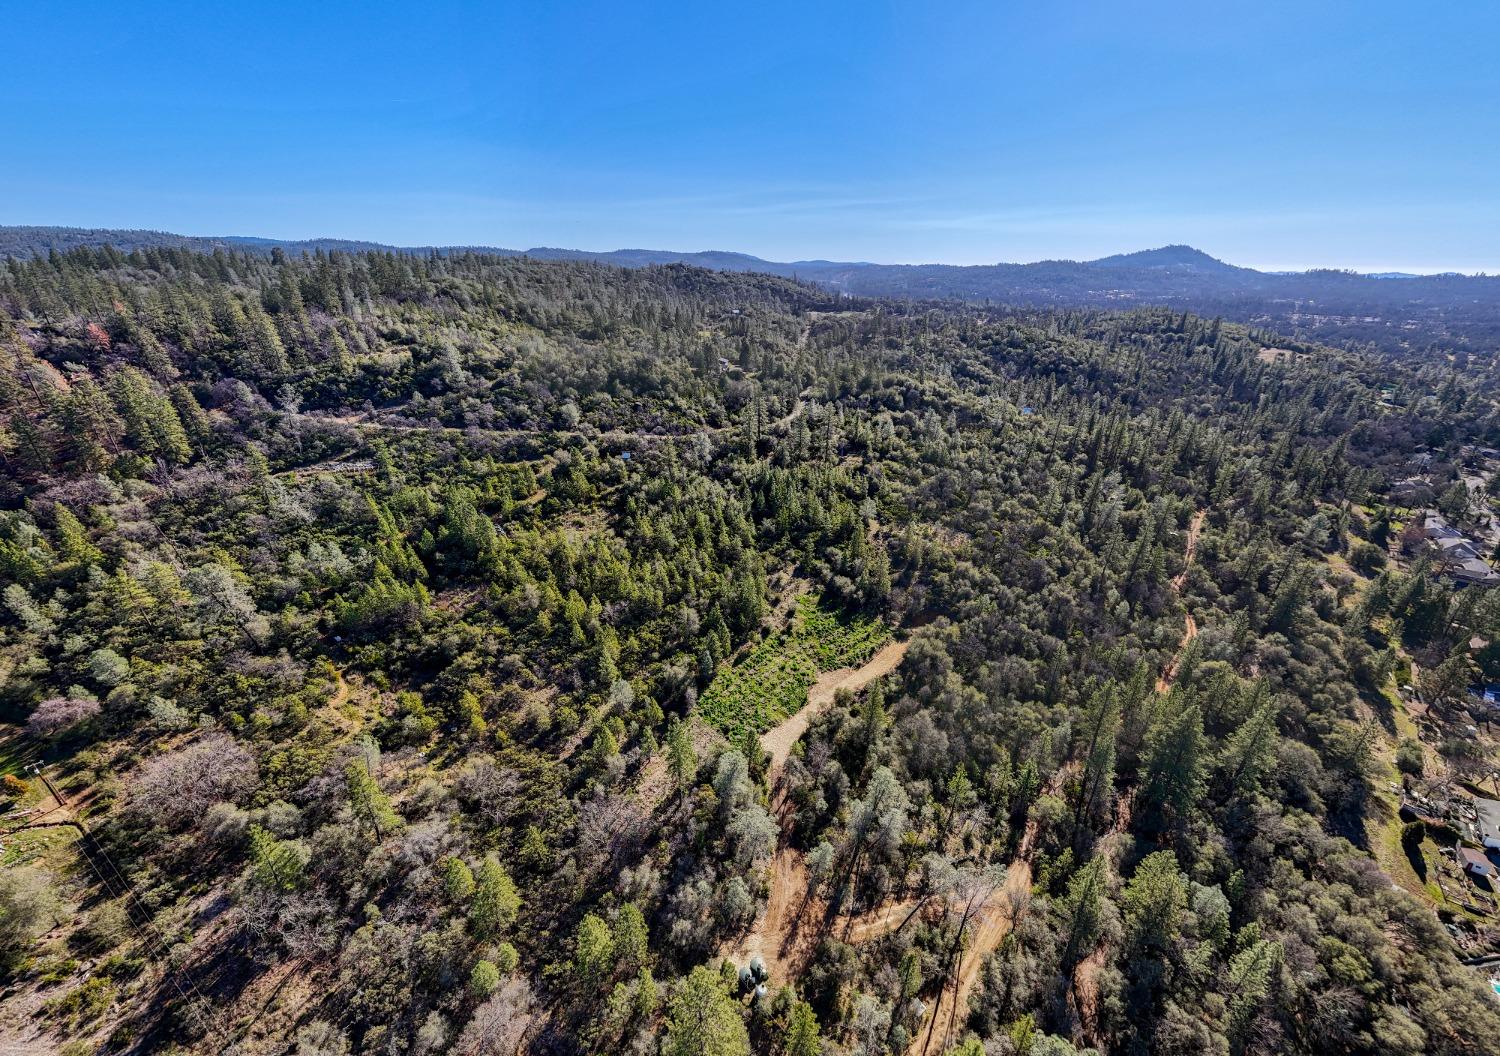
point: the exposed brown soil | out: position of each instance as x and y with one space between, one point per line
786 934
1169 673
986 931
780 739
1190 625
1195 528
981 938
880 921
655 782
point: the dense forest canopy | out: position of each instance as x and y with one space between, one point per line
415 648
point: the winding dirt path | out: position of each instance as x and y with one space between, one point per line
779 740
982 937
798 406
1195 528
1086 974
785 935
1169 673
1189 624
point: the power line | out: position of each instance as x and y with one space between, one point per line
147 928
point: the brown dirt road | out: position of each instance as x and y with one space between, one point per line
982 937
786 933
1189 625
991 924
1169 673
780 739
1195 528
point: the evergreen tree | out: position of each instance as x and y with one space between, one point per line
802 1035
1172 769
593 952
274 864
703 1021
1250 754
682 761
1095 785
1082 913
1153 903
370 806
496 901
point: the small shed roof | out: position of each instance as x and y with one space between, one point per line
1476 861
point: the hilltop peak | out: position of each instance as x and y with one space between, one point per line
1175 256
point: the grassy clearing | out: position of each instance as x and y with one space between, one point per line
16 751
52 848
772 680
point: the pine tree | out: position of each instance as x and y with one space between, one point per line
644 1003
91 428
682 761
1153 903
274 864
172 441
1250 974
31 452
132 397
265 353
496 901
593 953
1082 912
631 942
802 1035
1095 785
73 539
369 803
470 714
195 421
704 1021
1172 769
1251 752
458 880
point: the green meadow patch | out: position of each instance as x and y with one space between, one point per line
771 682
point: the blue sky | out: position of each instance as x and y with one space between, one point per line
1273 134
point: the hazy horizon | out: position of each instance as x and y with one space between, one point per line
427 242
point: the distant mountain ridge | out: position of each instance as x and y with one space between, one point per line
1393 310
17 240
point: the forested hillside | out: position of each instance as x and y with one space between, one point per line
487 655
1424 316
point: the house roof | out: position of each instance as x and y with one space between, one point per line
1437 527
1476 861
1472 570
1489 815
